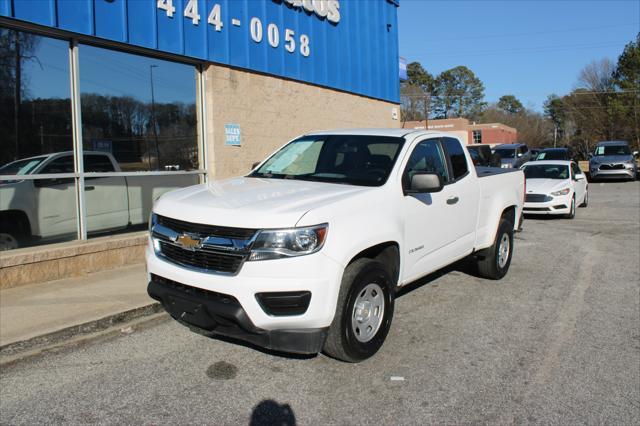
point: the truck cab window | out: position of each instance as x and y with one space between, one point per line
427 156
97 163
62 164
457 157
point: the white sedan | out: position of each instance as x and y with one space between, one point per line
554 187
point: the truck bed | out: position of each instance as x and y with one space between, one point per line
492 171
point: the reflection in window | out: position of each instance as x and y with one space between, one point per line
139 109
37 211
35 106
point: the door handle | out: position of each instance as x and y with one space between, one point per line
89 188
452 200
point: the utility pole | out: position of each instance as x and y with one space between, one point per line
153 116
555 134
427 101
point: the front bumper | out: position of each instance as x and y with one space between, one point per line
557 205
596 173
316 274
223 315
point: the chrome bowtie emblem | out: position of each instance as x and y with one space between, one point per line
189 242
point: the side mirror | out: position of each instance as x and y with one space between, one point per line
520 154
422 182
254 165
635 154
590 155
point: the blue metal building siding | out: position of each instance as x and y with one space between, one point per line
359 54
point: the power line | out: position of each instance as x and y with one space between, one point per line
532 49
540 32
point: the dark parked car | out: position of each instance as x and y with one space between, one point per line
512 155
563 154
534 152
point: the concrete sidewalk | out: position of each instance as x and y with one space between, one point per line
30 311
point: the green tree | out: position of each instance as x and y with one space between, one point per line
418 76
627 79
459 93
510 104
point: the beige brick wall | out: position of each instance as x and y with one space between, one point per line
271 111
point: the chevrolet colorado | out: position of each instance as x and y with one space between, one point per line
305 253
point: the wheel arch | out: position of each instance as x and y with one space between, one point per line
387 252
17 217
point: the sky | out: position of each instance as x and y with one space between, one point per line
529 49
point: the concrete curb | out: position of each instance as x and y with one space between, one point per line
105 326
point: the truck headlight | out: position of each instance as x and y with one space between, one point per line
281 243
153 219
561 192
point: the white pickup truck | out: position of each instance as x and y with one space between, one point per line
45 209
306 253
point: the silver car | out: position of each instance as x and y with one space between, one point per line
613 160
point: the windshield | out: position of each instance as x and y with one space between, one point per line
21 167
613 150
552 155
346 159
546 171
505 152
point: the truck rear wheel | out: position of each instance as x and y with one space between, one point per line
363 312
494 262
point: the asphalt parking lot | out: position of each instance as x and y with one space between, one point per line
556 341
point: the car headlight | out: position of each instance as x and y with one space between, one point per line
561 192
281 243
629 165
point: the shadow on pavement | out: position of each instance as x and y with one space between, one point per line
269 412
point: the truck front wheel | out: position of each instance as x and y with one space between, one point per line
363 313
493 262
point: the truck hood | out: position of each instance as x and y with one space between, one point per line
546 186
251 202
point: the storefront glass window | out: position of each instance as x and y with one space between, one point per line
35 138
141 110
138 115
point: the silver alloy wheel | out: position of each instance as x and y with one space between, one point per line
7 242
368 311
503 250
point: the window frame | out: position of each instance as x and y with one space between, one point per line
450 164
405 169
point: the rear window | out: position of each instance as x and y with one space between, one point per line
456 154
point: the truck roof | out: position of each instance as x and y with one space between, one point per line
373 132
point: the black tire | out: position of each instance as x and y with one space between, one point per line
342 342
489 261
585 202
9 240
572 210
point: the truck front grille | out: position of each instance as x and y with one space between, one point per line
218 248
611 166
210 260
206 230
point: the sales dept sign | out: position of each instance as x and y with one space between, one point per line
323 9
232 134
